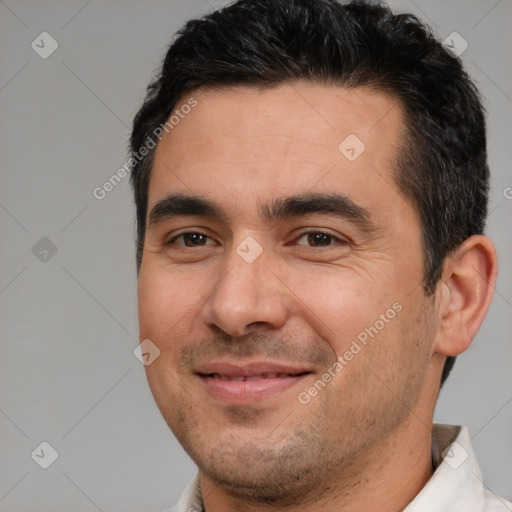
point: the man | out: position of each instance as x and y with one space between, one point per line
311 257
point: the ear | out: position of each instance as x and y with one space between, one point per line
465 292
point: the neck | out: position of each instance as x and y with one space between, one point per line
387 478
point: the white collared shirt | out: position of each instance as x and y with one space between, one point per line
455 486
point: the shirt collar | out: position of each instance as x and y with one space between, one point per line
456 484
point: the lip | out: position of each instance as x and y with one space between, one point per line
251 382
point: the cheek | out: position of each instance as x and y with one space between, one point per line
164 305
339 305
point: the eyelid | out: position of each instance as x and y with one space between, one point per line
337 238
183 233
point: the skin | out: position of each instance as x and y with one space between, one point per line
363 441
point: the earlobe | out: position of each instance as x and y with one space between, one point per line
465 293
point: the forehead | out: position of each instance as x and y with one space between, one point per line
295 137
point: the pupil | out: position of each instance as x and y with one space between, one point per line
319 238
194 238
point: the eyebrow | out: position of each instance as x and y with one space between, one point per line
331 204
181 205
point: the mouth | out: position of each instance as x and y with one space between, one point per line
239 384
245 378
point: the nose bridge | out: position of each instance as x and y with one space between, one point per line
246 293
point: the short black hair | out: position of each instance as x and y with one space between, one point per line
441 167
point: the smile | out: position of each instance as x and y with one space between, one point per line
245 378
248 383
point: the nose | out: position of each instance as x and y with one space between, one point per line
247 296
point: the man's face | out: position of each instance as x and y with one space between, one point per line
294 333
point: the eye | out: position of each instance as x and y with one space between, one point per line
319 239
190 239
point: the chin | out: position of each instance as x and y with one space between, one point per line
281 472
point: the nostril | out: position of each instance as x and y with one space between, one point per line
257 324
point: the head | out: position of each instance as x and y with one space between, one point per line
266 93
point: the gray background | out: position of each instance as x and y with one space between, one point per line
68 375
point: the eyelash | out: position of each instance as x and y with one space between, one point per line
333 238
304 233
